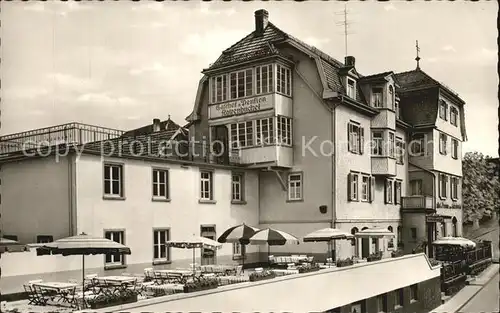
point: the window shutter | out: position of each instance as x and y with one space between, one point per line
372 189
445 186
385 191
440 185
349 183
361 140
349 126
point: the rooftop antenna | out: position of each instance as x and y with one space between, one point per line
345 23
417 58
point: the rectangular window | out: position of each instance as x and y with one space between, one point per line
443 182
295 186
417 146
365 183
237 187
377 143
355 135
264 79
382 303
391 144
454 187
398 113
400 151
443 109
413 233
443 141
397 192
236 249
264 131
416 187
388 191
206 179
454 148
241 84
44 238
242 135
115 258
414 292
113 180
352 184
399 298
454 116
160 184
377 97
372 189
219 88
284 127
284 80
160 250
351 88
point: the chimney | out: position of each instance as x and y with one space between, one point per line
156 125
350 61
261 21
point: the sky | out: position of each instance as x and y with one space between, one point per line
121 64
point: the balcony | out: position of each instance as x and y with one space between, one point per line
264 156
417 203
383 166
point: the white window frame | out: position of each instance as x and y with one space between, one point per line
264 131
237 187
365 188
351 91
443 142
416 187
389 191
295 186
242 134
206 185
264 85
443 110
235 83
237 251
219 94
454 148
353 182
108 167
121 239
418 144
392 144
159 246
413 293
158 173
377 143
284 130
355 135
397 191
455 181
283 80
376 102
443 186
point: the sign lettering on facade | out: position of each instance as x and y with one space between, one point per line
242 106
434 219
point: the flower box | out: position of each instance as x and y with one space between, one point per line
308 268
344 262
204 284
256 276
374 257
104 302
397 253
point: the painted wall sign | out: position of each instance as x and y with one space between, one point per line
239 107
434 219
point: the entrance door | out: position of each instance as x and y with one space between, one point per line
208 256
365 247
220 144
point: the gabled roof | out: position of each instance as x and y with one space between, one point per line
167 128
376 76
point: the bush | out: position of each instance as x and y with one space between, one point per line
256 276
374 256
306 268
397 253
344 262
202 284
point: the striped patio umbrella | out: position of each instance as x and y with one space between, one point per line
273 237
8 245
193 243
84 244
239 233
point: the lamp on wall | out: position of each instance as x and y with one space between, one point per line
323 209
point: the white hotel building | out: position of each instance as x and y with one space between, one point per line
268 98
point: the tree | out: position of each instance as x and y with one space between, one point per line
480 187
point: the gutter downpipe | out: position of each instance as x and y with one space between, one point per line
334 172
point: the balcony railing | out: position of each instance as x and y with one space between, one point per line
417 202
70 133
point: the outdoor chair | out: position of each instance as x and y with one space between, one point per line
149 274
32 296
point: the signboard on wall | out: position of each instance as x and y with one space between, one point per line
434 219
239 107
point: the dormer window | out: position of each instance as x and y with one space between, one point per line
377 97
443 109
351 88
390 98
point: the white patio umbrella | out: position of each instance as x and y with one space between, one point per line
374 232
327 235
193 243
455 241
8 245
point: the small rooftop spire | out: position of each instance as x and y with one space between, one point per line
169 116
417 58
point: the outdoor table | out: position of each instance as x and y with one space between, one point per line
60 288
115 285
183 275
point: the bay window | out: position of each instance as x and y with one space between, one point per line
242 134
219 88
284 127
377 143
264 79
391 144
264 131
377 98
284 80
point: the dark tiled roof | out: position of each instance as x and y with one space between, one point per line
167 125
416 79
374 76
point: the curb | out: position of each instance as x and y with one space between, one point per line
478 291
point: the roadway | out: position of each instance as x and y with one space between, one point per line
485 300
